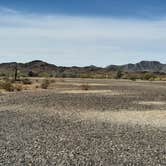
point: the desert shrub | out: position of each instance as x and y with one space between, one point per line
61 80
132 77
119 74
26 81
44 74
149 76
45 84
13 81
1 84
52 81
158 79
85 87
37 86
163 79
72 75
32 74
20 74
7 85
7 79
84 75
18 87
2 74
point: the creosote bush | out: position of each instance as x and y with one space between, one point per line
18 87
45 84
85 87
133 78
149 76
119 74
26 81
52 81
7 85
10 87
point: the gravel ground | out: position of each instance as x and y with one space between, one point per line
44 127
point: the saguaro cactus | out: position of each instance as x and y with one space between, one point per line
16 72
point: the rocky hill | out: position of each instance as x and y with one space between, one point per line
143 66
40 68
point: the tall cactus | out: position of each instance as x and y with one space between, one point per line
16 72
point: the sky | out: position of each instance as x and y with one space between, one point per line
83 32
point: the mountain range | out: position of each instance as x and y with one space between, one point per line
143 66
38 67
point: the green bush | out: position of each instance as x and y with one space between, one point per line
2 74
149 76
44 74
133 77
119 74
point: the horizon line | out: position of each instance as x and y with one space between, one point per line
44 61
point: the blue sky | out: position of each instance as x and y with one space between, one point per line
122 8
83 32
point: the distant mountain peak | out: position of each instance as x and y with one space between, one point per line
149 66
149 62
37 62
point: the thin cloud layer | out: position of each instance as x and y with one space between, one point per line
5 10
76 40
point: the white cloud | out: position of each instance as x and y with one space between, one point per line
5 10
74 40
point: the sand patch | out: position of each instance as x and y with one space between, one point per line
79 84
102 92
153 118
152 103
86 91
